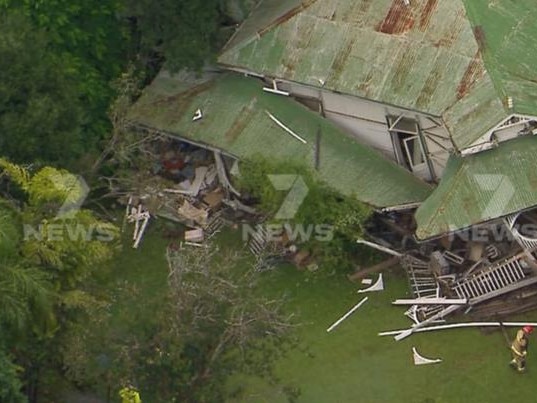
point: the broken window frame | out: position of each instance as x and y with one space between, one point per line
411 154
403 153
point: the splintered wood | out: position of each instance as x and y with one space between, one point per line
140 218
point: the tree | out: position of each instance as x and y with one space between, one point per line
216 324
90 42
59 236
211 323
10 384
40 115
50 252
184 33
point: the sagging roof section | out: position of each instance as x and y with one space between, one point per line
235 119
481 187
426 56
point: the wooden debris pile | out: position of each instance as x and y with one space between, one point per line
184 183
488 271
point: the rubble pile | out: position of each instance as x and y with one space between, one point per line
491 267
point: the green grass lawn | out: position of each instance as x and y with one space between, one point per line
353 364
350 364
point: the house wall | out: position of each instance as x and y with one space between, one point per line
366 121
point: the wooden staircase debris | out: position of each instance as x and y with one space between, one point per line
490 282
422 281
423 284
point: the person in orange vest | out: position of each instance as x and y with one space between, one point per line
129 394
519 348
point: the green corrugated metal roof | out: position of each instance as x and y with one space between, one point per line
508 33
234 119
481 187
427 56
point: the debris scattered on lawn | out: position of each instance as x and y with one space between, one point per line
195 235
367 281
193 186
488 271
444 312
421 360
349 313
140 218
380 247
460 325
378 286
197 116
181 182
430 301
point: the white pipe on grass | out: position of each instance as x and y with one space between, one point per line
460 325
354 308
379 247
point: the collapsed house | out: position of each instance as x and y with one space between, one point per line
423 109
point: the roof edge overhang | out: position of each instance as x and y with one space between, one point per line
490 221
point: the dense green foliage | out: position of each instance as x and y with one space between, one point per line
10 384
47 260
183 32
85 46
89 40
58 59
322 206
40 113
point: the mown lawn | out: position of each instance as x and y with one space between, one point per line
353 364
350 364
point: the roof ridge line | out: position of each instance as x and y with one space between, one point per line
304 4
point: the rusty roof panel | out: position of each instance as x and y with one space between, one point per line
421 57
475 113
426 14
399 19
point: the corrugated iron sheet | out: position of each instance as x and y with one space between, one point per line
507 33
427 56
481 187
234 119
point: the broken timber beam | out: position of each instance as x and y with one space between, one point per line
386 264
404 334
380 247
430 301
460 325
349 313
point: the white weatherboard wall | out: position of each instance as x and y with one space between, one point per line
366 121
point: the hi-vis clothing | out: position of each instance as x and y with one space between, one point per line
519 349
129 395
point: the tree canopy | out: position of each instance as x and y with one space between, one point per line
47 255
183 33
40 113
